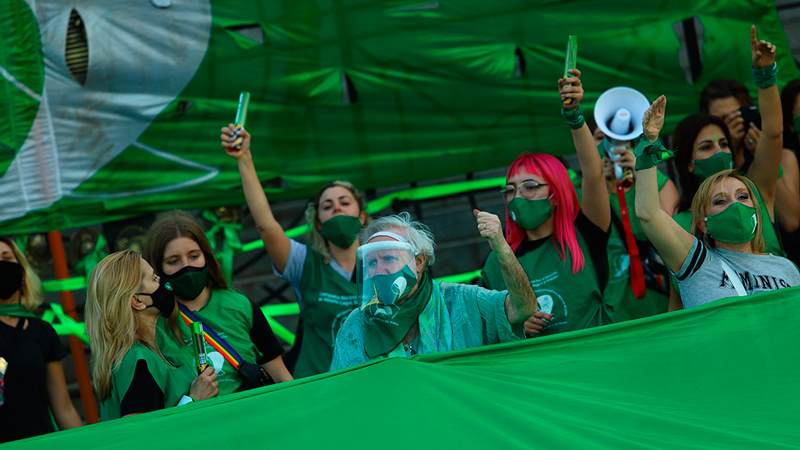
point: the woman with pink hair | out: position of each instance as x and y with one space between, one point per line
561 245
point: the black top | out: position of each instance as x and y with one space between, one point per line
262 336
25 412
143 395
596 239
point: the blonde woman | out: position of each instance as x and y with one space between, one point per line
724 254
34 378
131 375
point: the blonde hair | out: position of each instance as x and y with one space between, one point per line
313 236
31 294
111 323
700 207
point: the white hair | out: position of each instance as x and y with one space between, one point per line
417 234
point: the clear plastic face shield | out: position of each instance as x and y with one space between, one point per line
387 272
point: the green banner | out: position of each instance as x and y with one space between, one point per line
723 375
380 93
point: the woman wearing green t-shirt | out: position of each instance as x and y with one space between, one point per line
180 253
560 243
320 271
131 376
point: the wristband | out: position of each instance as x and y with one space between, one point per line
649 154
766 76
574 117
186 399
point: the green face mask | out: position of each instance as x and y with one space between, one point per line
341 230
704 168
387 324
529 214
735 225
188 282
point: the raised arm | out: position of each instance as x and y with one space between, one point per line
769 150
671 241
275 240
595 202
521 300
787 194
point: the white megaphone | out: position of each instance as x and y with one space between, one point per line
618 113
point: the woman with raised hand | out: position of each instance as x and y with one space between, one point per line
321 271
560 244
180 253
30 355
702 145
131 375
724 254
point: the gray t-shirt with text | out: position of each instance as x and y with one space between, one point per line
702 278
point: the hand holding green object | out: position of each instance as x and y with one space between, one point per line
570 88
236 141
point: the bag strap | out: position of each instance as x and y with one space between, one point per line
733 276
635 261
212 337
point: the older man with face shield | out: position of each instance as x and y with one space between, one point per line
403 311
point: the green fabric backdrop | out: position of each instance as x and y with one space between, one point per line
436 91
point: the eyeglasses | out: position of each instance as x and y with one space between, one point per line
527 189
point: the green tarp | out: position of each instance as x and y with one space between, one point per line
377 92
724 375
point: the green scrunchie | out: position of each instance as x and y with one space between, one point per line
765 76
574 117
649 154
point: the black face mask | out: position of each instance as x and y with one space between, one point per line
163 299
10 278
189 282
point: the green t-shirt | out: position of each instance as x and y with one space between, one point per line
618 293
230 315
574 299
328 298
174 382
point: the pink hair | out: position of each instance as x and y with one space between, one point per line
564 213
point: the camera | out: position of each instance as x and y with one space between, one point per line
750 115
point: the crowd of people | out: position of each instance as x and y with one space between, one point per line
723 228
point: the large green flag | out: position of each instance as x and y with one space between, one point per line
379 93
723 375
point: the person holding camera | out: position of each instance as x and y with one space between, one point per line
730 100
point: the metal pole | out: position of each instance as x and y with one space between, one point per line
76 345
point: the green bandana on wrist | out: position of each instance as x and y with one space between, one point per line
341 230
15 310
574 117
649 154
766 76
387 325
